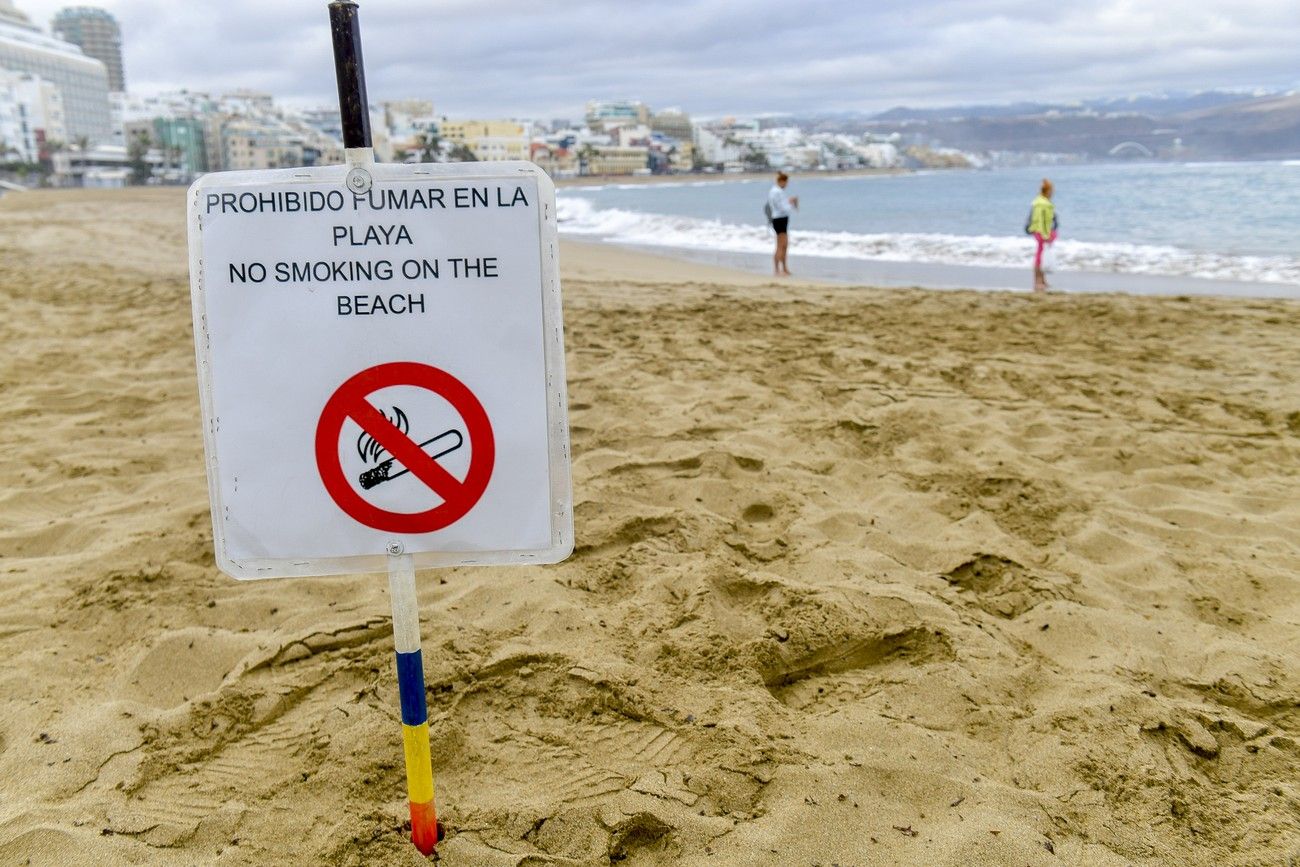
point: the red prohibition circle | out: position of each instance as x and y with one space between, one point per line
349 401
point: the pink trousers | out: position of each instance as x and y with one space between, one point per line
1038 256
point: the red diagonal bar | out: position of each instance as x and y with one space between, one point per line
405 450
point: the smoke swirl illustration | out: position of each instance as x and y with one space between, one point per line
369 449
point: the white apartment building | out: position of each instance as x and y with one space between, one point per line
713 148
31 116
879 154
82 81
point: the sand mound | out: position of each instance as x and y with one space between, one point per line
862 577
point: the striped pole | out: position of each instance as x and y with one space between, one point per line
410 688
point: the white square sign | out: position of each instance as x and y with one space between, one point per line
381 370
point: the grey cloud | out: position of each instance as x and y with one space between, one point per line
714 56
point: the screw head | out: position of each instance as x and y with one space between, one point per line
395 548
358 180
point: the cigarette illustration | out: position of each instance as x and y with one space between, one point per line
443 444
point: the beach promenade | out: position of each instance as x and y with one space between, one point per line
863 576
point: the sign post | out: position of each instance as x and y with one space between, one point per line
354 112
381 372
410 689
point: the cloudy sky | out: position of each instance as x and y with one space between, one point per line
544 58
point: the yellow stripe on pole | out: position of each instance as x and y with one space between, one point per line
419 765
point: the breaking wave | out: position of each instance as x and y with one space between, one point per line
580 217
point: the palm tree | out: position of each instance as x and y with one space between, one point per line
137 157
52 147
754 159
80 145
585 154
462 153
429 146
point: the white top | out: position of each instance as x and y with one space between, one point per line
780 202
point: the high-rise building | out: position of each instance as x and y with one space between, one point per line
96 33
82 80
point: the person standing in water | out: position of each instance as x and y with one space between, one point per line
1042 225
779 208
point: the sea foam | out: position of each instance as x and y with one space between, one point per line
580 217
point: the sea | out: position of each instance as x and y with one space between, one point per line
1161 228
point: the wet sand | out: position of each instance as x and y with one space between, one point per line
934 275
863 576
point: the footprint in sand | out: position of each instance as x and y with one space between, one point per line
186 663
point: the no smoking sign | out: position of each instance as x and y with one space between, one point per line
381 370
386 442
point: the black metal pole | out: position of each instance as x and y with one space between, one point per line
345 27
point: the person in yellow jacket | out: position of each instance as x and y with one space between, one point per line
1042 225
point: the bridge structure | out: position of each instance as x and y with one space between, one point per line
1131 148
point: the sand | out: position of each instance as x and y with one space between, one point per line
863 577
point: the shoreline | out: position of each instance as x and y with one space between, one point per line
715 177
939 276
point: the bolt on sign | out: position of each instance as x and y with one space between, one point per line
381 364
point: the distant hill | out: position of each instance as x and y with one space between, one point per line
1153 104
1210 125
1267 127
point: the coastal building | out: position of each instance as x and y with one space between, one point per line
673 123
96 33
801 157
10 14
681 156
247 103
82 81
174 124
16 142
716 148
409 122
771 147
268 143
31 117
555 160
98 166
637 135
190 132
253 144
410 129
180 139
326 119
132 109
614 159
605 115
489 140
879 154
247 130
327 122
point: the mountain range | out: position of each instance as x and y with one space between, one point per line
1204 125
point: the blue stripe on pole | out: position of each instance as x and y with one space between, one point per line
410 687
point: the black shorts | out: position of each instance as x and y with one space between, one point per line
781 224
